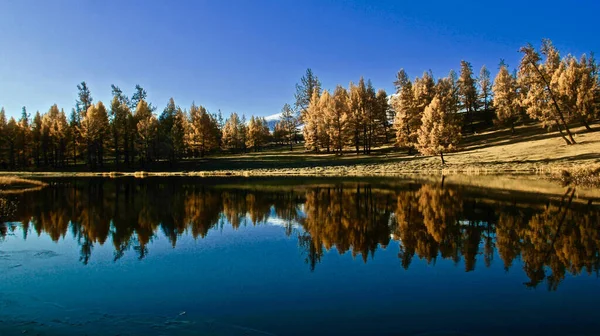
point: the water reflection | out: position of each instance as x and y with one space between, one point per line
554 236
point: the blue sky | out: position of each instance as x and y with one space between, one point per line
247 55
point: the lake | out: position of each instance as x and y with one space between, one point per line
297 256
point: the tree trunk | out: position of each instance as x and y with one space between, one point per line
586 124
562 134
555 103
442 157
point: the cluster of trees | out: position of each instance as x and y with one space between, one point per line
356 117
128 132
239 136
552 238
430 115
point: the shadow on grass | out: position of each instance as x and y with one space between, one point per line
526 133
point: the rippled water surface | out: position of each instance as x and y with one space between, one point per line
193 256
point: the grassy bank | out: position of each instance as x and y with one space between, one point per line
531 150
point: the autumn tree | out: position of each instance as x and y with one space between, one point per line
147 127
440 127
356 122
505 98
201 126
311 119
178 132
95 129
243 133
231 133
258 133
337 119
326 107
408 116
166 121
82 104
119 124
370 122
467 92
424 90
537 94
576 83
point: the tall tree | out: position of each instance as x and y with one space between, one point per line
358 106
243 132
467 92
289 124
75 136
382 108
231 133
3 141
577 87
95 129
82 104
370 122
326 107
119 112
24 138
304 91
338 119
147 127
537 94
84 100
505 98
257 134
440 128
166 122
36 136
408 116
201 131
311 123
485 90
11 134
178 133
424 88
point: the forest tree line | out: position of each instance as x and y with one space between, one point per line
424 114
129 132
430 115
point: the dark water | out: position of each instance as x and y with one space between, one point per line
182 256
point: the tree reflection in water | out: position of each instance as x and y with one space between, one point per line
552 236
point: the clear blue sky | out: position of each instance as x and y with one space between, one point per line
246 55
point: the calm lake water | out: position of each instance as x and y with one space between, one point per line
185 256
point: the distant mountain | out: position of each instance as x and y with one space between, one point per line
272 120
